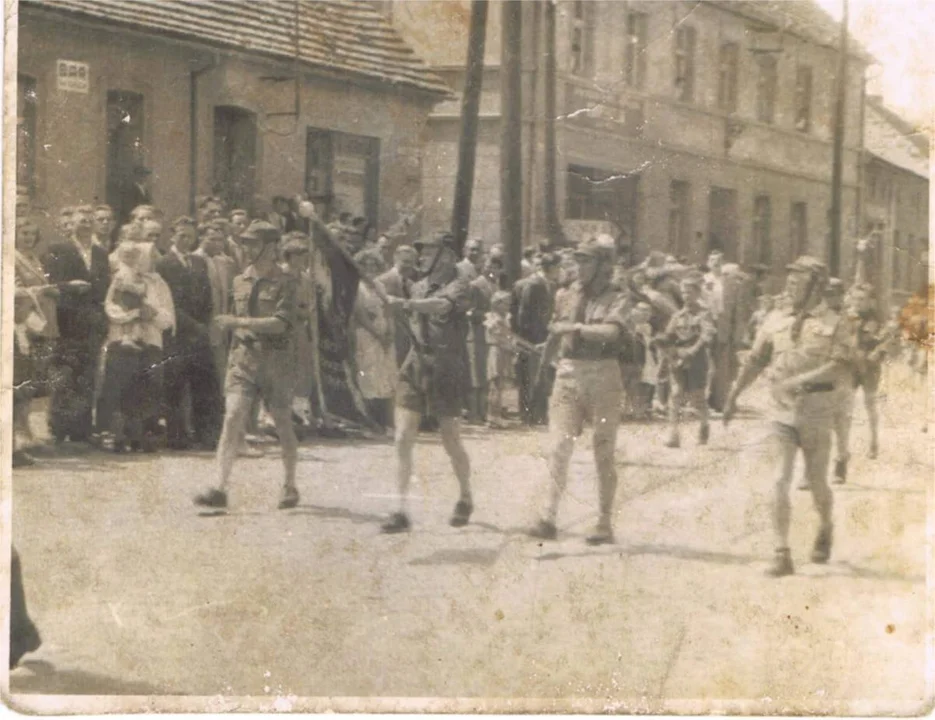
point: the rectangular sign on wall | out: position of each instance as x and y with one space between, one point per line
73 76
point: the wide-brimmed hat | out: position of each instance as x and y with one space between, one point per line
261 231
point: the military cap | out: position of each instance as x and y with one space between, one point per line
261 231
807 263
595 247
295 243
835 286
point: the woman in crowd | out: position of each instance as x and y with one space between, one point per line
35 329
375 351
139 309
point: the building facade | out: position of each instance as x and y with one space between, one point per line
223 97
690 126
895 193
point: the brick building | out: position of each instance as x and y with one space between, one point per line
689 125
247 100
895 201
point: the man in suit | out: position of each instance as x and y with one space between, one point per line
135 193
395 282
189 358
81 270
239 221
533 299
104 227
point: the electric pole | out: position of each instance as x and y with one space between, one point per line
470 109
511 137
553 226
834 255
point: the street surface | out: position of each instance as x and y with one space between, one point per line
135 593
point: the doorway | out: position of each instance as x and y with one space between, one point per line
722 222
124 145
234 156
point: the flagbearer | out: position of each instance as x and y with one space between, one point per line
431 380
260 363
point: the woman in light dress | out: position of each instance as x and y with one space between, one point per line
374 344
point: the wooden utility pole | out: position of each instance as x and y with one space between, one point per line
553 225
470 109
840 109
511 137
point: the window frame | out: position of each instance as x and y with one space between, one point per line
679 221
804 92
728 76
684 51
330 142
798 228
634 58
762 229
767 87
582 28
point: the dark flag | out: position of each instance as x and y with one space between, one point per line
336 280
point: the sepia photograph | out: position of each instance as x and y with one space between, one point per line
467 356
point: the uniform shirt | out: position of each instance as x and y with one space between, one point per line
687 326
264 297
825 336
575 306
443 335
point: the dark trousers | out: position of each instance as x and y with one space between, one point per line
24 637
132 391
192 367
73 370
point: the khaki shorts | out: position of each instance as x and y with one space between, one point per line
255 372
586 390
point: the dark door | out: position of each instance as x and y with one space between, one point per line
234 156
722 223
124 145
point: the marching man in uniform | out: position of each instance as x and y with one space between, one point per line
433 376
260 363
807 349
589 322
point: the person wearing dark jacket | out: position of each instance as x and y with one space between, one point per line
80 268
134 193
189 357
533 301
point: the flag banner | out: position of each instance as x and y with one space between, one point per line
336 282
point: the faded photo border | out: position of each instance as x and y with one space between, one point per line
365 706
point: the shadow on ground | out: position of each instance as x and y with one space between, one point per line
41 677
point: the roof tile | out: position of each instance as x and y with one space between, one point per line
338 35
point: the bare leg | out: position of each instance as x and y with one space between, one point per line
786 447
873 415
675 410
450 430
407 429
237 411
282 417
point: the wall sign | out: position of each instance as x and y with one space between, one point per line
73 76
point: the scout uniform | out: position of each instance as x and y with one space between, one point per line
263 365
688 374
588 386
260 366
790 344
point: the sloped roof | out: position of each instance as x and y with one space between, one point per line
890 142
803 18
345 36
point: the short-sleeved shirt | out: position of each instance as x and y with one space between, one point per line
825 336
443 335
574 305
265 297
688 326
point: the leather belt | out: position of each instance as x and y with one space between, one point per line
817 387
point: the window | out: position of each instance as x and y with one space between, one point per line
582 38
342 173
767 78
26 133
635 59
685 63
798 229
595 194
728 62
803 99
679 220
124 148
722 222
762 220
